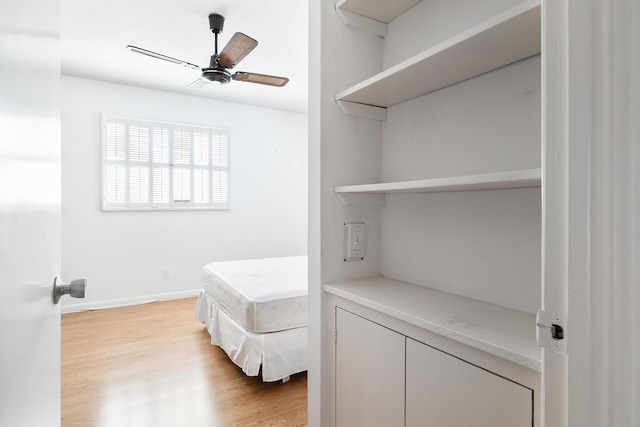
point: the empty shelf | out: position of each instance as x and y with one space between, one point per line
504 39
489 181
503 332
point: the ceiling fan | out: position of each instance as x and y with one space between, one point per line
217 72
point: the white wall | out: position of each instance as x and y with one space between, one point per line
123 253
484 245
344 150
431 22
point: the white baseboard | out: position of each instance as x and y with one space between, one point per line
125 302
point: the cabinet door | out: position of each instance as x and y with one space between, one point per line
369 373
443 391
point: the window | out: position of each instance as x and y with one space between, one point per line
153 165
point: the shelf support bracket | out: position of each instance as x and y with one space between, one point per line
362 199
362 23
362 110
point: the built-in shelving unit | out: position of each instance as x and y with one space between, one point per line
503 332
488 181
471 248
504 39
379 10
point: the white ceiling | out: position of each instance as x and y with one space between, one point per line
94 34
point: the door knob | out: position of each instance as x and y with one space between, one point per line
75 288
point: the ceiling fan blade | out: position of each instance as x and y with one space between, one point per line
198 83
161 56
262 79
238 47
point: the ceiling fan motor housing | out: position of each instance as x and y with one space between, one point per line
216 75
216 23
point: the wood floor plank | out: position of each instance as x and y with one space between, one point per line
153 365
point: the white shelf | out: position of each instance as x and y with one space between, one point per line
504 39
379 10
503 332
488 181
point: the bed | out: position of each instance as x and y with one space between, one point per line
256 311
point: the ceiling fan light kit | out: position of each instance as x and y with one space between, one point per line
216 76
236 49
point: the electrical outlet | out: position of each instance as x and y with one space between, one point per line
354 238
165 274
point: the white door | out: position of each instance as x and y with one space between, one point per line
29 213
445 391
369 373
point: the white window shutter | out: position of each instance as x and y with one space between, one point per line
115 142
161 185
201 148
155 165
181 147
219 149
220 187
181 185
115 186
201 188
160 137
139 184
138 143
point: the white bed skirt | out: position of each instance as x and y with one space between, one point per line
281 353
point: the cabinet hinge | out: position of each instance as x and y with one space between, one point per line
551 332
335 337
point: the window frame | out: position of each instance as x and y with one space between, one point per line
153 166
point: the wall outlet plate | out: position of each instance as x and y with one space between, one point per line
354 240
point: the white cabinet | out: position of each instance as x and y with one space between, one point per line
385 378
445 391
369 373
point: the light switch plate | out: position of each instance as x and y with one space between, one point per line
354 241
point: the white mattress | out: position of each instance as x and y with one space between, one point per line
281 354
260 295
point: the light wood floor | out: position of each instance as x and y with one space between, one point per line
153 365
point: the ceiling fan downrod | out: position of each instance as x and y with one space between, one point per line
215 73
216 24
